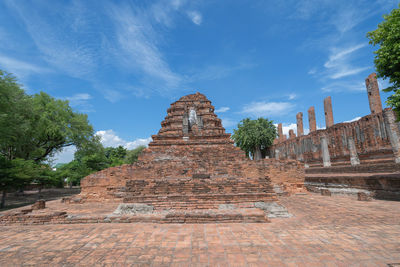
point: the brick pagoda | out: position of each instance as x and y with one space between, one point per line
191 164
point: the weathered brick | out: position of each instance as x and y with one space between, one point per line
193 163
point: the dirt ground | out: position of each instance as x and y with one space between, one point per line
17 199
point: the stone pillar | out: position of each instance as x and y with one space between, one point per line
392 131
276 154
299 119
280 132
354 160
311 119
374 98
326 159
292 135
328 112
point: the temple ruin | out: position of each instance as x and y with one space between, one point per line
348 157
192 165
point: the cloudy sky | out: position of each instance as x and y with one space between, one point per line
124 62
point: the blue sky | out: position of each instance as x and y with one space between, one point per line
124 62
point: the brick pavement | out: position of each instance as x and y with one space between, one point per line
324 231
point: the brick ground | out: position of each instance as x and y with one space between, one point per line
324 231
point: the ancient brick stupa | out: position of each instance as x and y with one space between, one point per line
191 164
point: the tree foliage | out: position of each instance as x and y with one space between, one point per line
32 130
255 136
133 155
387 57
92 157
35 127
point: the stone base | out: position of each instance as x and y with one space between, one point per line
273 209
379 185
130 214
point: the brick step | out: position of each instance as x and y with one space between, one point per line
386 167
367 181
212 216
198 205
223 198
250 215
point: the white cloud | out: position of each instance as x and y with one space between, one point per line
344 86
216 72
137 45
138 142
18 67
110 139
222 109
339 62
312 71
81 101
292 96
195 17
352 120
59 44
345 71
267 108
70 42
289 126
339 54
112 95
226 122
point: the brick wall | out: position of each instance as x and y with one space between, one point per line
370 134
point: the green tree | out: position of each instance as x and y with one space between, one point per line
255 136
36 127
115 155
89 157
32 129
15 117
387 57
133 155
16 173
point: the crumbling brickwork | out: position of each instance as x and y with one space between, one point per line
311 119
374 98
328 112
333 155
370 135
193 162
299 119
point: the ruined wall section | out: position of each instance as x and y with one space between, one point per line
370 135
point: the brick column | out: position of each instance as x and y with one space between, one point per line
374 98
326 159
280 132
354 160
328 112
311 119
291 134
392 131
299 119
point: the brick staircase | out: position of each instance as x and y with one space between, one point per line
377 177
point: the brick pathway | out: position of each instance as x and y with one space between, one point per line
324 231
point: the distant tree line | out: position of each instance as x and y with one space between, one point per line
94 157
33 128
